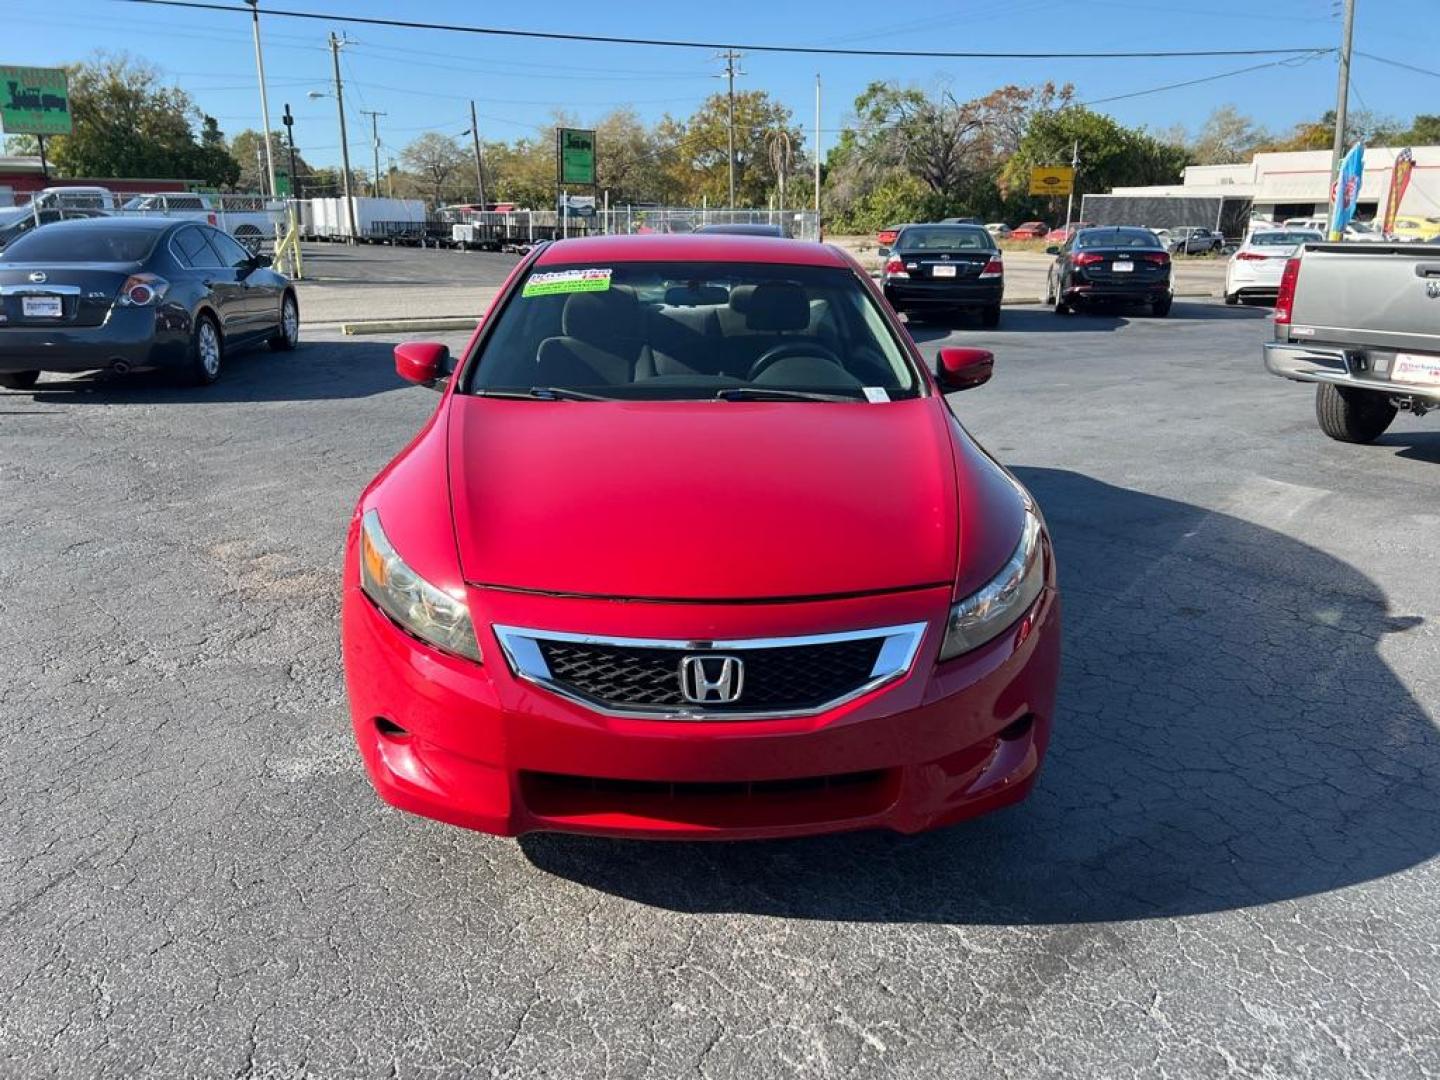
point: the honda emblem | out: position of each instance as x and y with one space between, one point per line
711 680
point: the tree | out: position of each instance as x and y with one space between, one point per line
1227 137
436 158
247 148
698 164
128 123
1110 155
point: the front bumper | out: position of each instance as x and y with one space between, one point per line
473 745
918 295
1320 364
141 338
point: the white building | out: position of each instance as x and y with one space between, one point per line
1297 183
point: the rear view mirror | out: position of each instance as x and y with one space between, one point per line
964 368
425 363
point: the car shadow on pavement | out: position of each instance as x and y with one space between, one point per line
1227 736
1042 320
320 371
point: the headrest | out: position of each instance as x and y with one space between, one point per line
776 306
693 296
600 317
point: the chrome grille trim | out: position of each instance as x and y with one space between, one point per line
522 651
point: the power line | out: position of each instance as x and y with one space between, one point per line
1398 64
1292 62
811 50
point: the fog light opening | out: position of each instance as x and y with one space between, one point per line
388 729
1019 729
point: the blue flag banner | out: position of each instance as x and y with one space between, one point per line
1346 195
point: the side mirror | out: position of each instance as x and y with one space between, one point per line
882 251
261 261
964 368
1052 250
425 363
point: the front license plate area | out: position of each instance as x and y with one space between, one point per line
943 271
1413 368
1123 267
42 307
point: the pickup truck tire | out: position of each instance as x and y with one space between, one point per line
249 237
1350 415
19 380
1231 299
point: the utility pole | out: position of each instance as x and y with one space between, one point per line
817 153
730 56
269 169
1074 170
336 43
289 122
375 145
479 168
1342 101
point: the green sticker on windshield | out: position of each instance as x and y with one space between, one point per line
567 281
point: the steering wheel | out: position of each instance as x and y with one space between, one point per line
770 357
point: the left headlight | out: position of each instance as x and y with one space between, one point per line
991 610
430 613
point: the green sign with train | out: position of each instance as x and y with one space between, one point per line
34 101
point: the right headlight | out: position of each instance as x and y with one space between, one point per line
993 609
428 612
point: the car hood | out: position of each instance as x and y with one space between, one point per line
702 500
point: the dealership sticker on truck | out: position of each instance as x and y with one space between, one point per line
567 281
1413 368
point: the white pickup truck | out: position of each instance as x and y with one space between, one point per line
251 219
1362 322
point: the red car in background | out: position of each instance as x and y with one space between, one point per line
693 546
1029 230
1065 232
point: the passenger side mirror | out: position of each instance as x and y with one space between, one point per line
425 363
964 368
1052 250
882 251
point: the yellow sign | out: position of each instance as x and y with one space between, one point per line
1051 180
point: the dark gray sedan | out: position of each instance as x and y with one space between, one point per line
136 294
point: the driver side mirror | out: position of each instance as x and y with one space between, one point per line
425 363
260 260
1053 249
964 368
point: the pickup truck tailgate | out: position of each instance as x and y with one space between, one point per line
1384 296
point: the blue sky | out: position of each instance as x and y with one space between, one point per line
423 79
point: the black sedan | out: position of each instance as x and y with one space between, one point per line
933 270
136 294
1110 265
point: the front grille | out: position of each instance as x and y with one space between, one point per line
795 677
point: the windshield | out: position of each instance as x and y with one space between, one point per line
1284 239
946 238
1117 238
694 330
81 245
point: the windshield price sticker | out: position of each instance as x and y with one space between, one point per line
567 281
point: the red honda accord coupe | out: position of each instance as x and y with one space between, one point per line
694 547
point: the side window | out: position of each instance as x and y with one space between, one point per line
231 253
190 248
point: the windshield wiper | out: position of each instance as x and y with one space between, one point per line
544 393
767 393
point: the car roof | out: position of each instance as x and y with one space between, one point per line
138 224
687 247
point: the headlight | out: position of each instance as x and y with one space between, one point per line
989 612
429 613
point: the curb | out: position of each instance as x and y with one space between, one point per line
405 326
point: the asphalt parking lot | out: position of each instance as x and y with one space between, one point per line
1228 867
